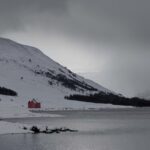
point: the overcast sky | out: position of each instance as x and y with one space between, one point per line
105 40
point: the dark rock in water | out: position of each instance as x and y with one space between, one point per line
36 130
66 130
58 130
25 128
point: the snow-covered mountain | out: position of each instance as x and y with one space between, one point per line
32 74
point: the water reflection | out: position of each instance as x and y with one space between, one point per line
114 130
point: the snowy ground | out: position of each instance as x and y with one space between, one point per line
18 128
15 108
10 128
14 128
11 108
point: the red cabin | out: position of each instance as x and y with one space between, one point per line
34 104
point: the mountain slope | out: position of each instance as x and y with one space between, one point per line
32 74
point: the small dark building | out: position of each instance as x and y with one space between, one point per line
34 104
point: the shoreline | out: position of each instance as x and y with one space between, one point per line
9 127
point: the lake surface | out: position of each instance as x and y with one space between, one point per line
122 129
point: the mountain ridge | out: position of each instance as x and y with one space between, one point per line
31 73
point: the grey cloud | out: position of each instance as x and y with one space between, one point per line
14 13
101 20
118 29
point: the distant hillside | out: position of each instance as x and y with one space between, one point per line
110 98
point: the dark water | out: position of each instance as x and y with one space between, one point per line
127 129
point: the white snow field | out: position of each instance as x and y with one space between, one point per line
32 74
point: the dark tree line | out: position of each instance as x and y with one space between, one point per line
8 92
72 84
109 98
